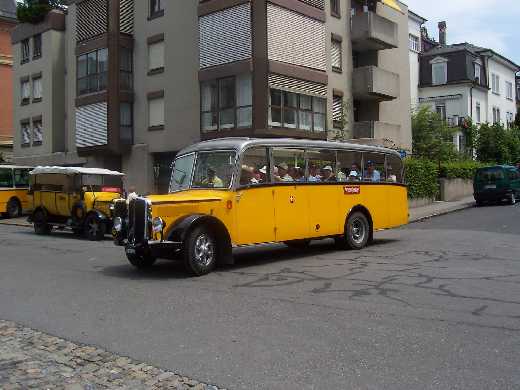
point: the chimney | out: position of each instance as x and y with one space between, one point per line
442 33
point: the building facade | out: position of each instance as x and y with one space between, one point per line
415 31
7 24
462 81
133 82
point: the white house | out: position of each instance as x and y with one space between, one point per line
415 22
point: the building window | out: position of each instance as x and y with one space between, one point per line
337 112
227 103
26 51
37 89
439 73
156 8
495 83
126 81
156 57
37 46
25 92
441 110
477 73
478 112
496 115
156 113
336 55
509 119
126 123
335 9
297 111
26 134
92 72
37 132
414 43
509 90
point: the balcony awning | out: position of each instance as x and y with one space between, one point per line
392 4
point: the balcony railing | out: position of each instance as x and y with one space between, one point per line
376 130
371 31
374 83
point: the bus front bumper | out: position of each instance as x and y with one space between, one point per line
156 249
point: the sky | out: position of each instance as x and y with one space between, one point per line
493 24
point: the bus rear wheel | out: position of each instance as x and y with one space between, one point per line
357 232
14 209
41 225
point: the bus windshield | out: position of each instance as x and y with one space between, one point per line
212 169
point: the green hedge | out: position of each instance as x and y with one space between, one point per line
421 178
459 169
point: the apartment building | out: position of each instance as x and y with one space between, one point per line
466 81
7 24
133 82
415 36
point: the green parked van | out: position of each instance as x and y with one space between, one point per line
496 184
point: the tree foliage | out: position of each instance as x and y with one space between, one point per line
421 178
34 11
496 144
432 137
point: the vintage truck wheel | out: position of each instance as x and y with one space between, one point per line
14 209
141 261
200 251
94 229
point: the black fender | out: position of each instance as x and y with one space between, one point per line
180 229
39 208
80 205
101 217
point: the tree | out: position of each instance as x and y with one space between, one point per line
517 120
432 137
34 11
497 144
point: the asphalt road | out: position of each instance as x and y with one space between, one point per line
434 305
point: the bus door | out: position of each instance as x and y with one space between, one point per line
290 196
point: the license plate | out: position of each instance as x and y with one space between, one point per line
130 251
491 187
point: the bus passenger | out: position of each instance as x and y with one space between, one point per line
372 174
313 173
283 175
328 175
212 180
355 172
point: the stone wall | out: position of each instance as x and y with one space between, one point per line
455 189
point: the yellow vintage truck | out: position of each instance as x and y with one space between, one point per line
76 198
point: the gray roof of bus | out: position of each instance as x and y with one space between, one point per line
237 143
74 171
15 167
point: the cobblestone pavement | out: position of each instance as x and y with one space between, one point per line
33 360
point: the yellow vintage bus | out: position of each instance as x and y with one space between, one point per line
14 186
239 191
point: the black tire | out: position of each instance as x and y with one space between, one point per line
200 251
479 202
13 208
298 244
357 231
94 229
40 222
141 262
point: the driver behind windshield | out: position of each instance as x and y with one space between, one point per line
212 180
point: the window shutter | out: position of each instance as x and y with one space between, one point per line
91 125
126 18
37 88
290 84
156 55
337 109
92 19
156 112
336 54
37 133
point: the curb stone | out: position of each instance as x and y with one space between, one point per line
32 359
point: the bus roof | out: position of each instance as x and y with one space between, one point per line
239 144
74 171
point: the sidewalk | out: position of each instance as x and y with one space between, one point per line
440 208
22 221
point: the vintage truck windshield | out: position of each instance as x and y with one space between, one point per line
203 170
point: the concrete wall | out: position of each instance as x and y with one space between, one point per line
397 60
455 189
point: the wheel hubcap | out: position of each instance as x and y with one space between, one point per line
204 250
93 228
13 209
358 231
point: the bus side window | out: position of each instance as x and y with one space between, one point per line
6 178
21 178
321 165
289 165
374 169
254 168
349 166
394 169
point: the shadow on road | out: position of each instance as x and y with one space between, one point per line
245 257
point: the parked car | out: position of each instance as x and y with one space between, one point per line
80 199
14 186
497 183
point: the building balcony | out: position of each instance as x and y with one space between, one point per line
371 31
376 130
374 83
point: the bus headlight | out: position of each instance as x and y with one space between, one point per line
118 224
157 225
